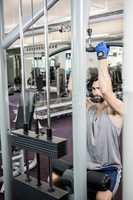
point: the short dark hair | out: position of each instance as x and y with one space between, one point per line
91 81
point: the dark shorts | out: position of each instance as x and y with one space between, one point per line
112 172
66 171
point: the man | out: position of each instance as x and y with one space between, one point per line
104 123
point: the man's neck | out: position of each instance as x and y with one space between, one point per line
100 107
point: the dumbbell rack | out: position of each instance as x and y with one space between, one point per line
54 149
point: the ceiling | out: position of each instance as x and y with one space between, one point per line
62 10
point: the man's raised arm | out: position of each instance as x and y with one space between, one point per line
105 79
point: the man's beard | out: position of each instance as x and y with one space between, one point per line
97 99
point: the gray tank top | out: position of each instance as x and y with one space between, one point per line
102 141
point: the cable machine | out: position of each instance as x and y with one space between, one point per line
50 146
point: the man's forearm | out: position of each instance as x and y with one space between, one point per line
104 77
106 87
104 67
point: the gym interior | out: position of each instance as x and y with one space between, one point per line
49 50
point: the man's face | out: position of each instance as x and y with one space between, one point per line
96 92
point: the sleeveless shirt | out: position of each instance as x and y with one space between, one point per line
102 141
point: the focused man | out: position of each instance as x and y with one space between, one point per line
104 124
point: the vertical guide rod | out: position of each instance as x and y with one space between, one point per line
38 156
33 42
128 102
4 115
23 83
34 102
79 63
47 62
22 58
49 130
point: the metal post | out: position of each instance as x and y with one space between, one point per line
128 101
49 130
79 34
33 43
22 58
4 115
23 82
34 102
47 61
38 156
